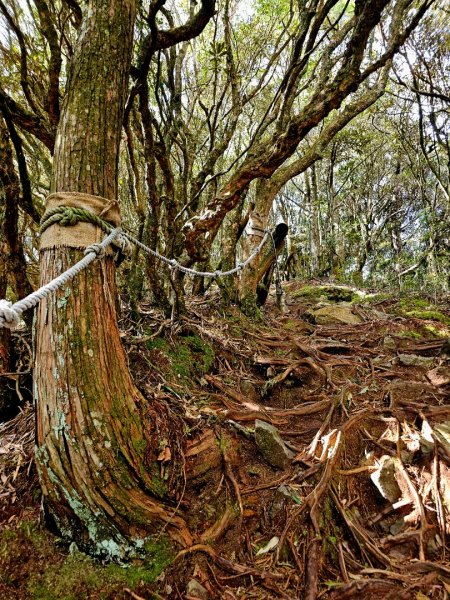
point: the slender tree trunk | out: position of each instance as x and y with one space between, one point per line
12 264
265 194
98 463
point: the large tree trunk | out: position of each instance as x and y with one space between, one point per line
97 461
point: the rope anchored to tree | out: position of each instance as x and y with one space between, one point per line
10 313
68 216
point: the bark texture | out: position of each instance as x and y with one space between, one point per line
97 461
12 265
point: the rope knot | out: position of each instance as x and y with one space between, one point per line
97 249
217 273
69 217
124 244
9 317
173 263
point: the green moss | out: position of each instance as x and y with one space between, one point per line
412 303
374 298
158 344
52 575
409 334
436 331
249 307
429 315
330 292
140 446
192 356
79 576
189 355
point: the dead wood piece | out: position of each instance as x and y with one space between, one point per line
277 416
424 566
370 589
388 510
216 530
215 381
361 536
424 525
233 567
312 568
229 473
266 486
202 455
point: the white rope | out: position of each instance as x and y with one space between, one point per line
176 265
10 313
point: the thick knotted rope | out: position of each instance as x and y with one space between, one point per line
9 317
69 216
10 314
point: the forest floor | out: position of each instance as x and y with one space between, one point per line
317 456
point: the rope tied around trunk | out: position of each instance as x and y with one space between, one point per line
10 313
68 216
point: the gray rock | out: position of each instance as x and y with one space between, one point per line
271 446
250 391
389 342
383 361
439 376
442 432
385 480
412 360
379 315
397 526
330 315
194 589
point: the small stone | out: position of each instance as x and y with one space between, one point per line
271 446
439 376
389 342
382 361
442 433
271 372
397 526
379 315
281 497
412 360
195 590
250 391
385 481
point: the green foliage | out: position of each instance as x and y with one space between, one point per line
421 308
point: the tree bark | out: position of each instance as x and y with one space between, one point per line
12 264
98 463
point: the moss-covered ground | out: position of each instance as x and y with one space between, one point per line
34 564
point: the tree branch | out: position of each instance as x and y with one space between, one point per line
160 40
27 121
26 199
23 56
54 67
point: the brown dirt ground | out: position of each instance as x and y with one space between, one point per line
341 399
